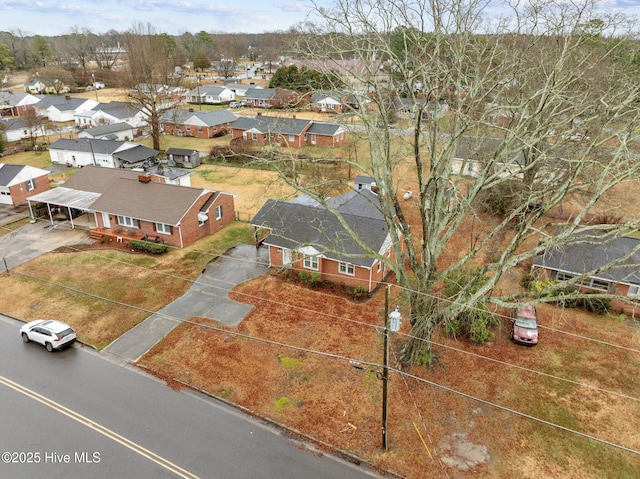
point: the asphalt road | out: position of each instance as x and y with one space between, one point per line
75 413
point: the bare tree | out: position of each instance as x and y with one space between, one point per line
560 110
148 72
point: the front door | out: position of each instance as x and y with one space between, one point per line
286 257
105 220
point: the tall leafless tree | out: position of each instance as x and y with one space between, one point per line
149 71
561 109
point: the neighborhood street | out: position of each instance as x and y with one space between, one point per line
77 413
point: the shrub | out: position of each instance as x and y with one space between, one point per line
357 292
148 247
311 279
596 305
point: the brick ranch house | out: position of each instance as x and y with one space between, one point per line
200 124
126 204
306 236
583 261
19 182
292 132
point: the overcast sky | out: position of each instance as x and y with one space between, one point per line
56 17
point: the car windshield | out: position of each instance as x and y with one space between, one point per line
526 323
64 333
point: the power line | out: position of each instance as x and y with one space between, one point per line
342 358
342 318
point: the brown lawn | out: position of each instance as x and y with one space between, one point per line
483 411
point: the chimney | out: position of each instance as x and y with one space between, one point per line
144 178
294 117
67 97
259 113
191 110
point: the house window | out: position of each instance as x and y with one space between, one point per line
254 136
346 268
126 221
292 138
634 291
591 283
218 212
163 228
31 185
311 262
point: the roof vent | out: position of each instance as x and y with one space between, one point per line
144 178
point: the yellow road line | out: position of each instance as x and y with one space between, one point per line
177 470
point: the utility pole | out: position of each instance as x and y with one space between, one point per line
385 368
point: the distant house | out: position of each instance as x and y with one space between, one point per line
582 260
472 153
19 182
271 98
183 157
16 104
20 128
291 132
212 94
62 109
200 124
134 205
328 101
107 153
240 89
115 131
306 236
431 110
112 112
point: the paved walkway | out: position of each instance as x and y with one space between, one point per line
207 297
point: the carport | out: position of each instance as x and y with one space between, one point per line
62 197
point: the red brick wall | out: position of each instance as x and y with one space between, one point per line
329 270
191 130
19 193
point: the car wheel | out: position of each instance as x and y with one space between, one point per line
49 347
25 337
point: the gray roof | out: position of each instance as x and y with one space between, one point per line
119 192
169 172
589 254
272 124
297 224
207 90
209 118
157 202
118 109
12 99
8 173
106 147
260 93
136 154
16 123
108 129
62 103
324 129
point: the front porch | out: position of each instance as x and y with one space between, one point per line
121 235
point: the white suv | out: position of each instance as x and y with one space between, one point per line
48 332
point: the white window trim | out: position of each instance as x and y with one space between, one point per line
31 184
634 291
311 262
347 268
591 283
127 221
163 228
219 212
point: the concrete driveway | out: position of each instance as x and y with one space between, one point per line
207 297
34 239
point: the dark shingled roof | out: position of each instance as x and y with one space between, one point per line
585 255
294 225
8 173
271 124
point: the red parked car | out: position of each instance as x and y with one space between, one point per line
525 326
